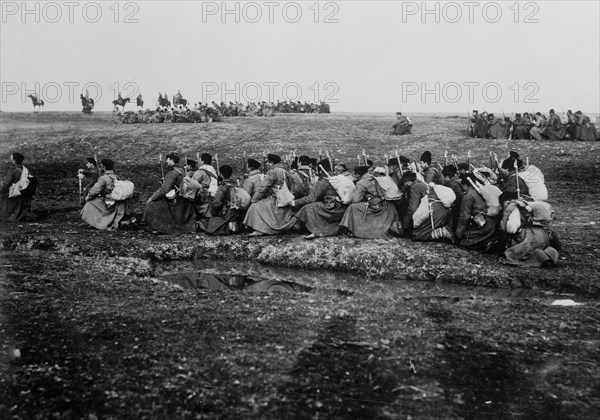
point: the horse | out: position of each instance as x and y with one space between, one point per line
139 101
36 102
164 100
120 102
87 104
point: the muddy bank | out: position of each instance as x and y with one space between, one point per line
393 259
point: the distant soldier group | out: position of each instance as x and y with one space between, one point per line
535 126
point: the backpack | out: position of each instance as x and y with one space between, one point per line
445 194
343 186
388 187
122 190
534 179
214 185
17 188
238 198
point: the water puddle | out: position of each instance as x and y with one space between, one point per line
256 277
200 280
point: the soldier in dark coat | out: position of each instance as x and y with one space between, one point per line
510 177
363 219
14 209
402 126
520 128
322 210
225 216
475 229
430 173
175 215
555 130
435 227
585 129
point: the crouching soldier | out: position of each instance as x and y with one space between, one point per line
227 207
100 210
167 211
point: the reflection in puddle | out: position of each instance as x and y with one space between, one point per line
201 280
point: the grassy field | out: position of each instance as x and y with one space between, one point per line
100 336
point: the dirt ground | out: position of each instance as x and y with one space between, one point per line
89 330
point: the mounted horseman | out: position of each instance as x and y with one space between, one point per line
164 100
36 102
87 103
120 102
178 100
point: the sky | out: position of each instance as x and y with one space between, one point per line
358 56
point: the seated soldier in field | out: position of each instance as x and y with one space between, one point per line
402 126
555 130
510 180
322 210
15 196
265 216
369 215
424 220
225 212
430 173
475 229
166 211
100 211
253 178
539 126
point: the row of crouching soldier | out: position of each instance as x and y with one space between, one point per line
476 210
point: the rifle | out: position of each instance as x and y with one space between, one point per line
445 158
365 157
399 163
517 175
455 161
387 168
329 159
80 191
469 123
359 162
162 169
469 161
324 171
217 164
264 163
245 164
417 166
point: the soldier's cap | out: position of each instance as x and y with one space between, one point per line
463 166
313 161
392 162
475 111
404 160
398 113
361 170
253 163
273 158
426 157
191 162
91 160
174 157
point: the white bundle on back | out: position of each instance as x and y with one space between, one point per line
534 178
343 186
